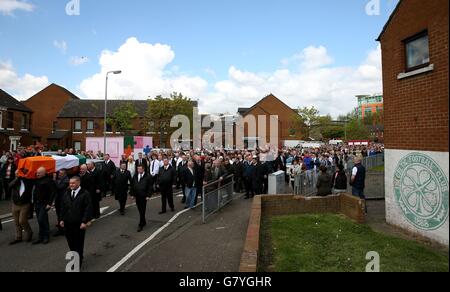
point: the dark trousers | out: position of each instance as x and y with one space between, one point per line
95 206
42 218
141 203
166 197
6 189
248 187
122 199
75 238
198 193
238 184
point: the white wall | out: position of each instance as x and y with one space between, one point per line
417 192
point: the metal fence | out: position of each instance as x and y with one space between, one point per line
217 195
305 183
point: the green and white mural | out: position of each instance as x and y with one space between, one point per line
417 192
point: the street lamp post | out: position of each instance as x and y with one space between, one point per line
106 105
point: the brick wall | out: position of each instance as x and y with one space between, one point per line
46 105
416 108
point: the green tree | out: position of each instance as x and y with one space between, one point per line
122 117
306 119
357 129
161 110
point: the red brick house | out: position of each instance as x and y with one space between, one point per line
15 123
271 106
415 58
81 118
46 105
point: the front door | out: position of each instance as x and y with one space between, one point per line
14 143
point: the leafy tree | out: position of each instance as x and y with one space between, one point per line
122 117
305 120
161 110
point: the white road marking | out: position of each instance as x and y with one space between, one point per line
145 242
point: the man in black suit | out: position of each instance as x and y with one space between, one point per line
108 170
239 169
141 161
181 168
76 215
140 190
166 178
96 189
62 185
121 179
199 168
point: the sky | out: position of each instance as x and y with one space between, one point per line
224 53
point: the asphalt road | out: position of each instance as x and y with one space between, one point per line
108 240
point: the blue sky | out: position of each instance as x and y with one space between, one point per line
207 39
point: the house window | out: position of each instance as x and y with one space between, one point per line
417 51
90 126
109 128
10 120
78 126
24 122
77 146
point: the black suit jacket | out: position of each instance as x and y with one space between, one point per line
88 184
76 211
13 172
166 178
189 178
199 173
140 189
120 183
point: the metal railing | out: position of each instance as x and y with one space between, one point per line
373 161
217 195
305 184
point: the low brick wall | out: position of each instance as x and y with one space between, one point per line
279 205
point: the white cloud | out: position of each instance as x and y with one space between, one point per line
20 87
143 73
77 61
61 45
7 7
314 81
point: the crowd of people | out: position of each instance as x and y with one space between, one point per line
76 199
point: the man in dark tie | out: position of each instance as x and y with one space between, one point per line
199 167
155 165
166 179
76 215
141 161
181 168
122 177
108 170
95 189
140 190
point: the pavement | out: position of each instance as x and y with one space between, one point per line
171 242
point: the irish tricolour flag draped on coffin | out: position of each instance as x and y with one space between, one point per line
29 166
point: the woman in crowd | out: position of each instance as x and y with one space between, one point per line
324 183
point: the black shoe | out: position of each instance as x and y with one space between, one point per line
15 242
162 212
122 213
45 241
173 209
39 241
140 228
